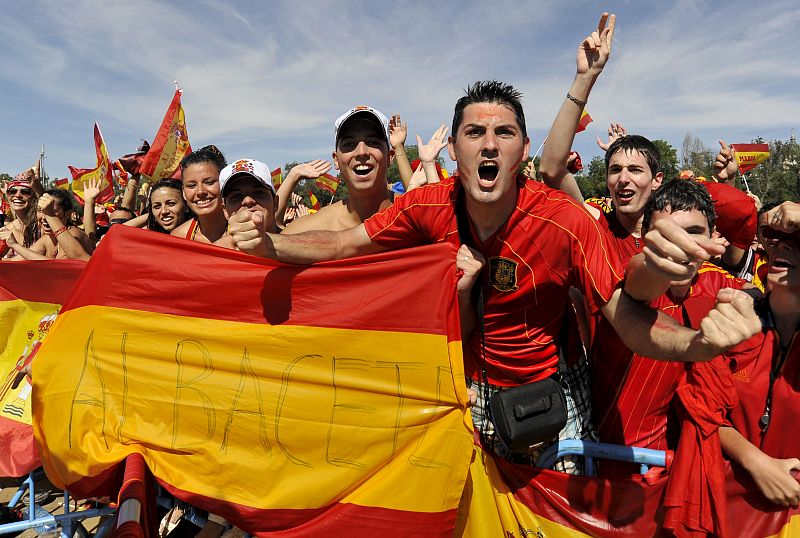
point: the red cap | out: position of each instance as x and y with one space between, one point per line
737 218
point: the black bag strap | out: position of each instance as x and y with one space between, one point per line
464 234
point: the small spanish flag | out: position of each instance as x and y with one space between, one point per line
62 184
277 177
585 120
314 201
328 182
748 156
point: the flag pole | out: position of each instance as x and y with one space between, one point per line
41 168
746 186
540 148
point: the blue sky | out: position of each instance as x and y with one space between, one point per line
267 79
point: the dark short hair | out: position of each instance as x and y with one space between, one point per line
63 198
490 91
680 195
127 210
206 154
638 144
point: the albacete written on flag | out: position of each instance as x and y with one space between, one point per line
276 396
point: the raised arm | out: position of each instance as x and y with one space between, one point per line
428 153
309 170
725 165
398 132
68 240
129 196
593 53
90 193
653 334
248 234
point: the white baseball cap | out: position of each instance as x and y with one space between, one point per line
366 110
246 167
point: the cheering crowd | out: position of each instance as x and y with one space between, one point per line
666 305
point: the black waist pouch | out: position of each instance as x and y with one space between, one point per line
529 414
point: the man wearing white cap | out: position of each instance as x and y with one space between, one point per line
246 185
362 156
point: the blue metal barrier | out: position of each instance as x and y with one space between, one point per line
590 450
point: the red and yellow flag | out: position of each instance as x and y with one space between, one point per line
277 177
31 294
62 184
103 172
300 403
748 156
584 122
170 145
314 201
328 182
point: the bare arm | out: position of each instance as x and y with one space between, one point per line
670 254
309 170
36 252
653 334
90 193
593 53
137 222
772 476
129 197
398 132
248 234
428 153
68 240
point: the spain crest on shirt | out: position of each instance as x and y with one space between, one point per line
503 273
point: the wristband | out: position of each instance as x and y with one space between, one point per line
576 100
60 231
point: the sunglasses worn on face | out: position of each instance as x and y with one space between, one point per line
15 191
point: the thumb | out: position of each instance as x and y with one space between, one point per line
794 464
419 141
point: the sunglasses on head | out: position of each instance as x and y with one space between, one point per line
13 191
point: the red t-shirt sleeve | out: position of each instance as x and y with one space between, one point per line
422 216
597 270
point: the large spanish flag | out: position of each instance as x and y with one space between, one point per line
748 156
325 400
170 145
31 293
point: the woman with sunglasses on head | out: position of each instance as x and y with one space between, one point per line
24 228
763 437
60 238
201 190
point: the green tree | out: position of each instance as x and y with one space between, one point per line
305 186
412 152
592 179
669 159
696 156
778 178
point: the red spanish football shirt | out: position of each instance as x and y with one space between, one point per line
548 244
750 363
632 394
620 239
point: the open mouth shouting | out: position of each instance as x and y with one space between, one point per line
487 173
782 263
625 195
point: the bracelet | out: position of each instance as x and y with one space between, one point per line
576 100
398 154
60 231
